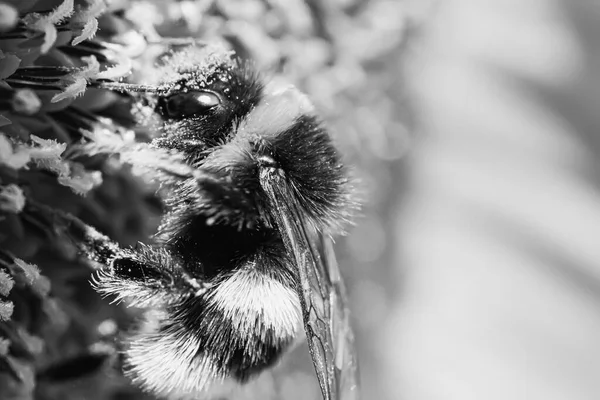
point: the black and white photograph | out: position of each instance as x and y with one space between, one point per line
299 200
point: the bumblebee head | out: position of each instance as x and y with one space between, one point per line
207 92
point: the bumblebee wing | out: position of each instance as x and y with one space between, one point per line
346 362
321 290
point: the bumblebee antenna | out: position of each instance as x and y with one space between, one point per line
128 87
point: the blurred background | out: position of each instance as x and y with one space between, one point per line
496 257
474 270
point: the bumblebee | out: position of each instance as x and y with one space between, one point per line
243 258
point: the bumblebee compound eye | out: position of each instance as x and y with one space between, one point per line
182 105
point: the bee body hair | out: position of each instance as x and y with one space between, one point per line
219 283
238 327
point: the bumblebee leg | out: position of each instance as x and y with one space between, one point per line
208 200
147 277
89 243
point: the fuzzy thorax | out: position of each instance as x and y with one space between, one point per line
283 127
